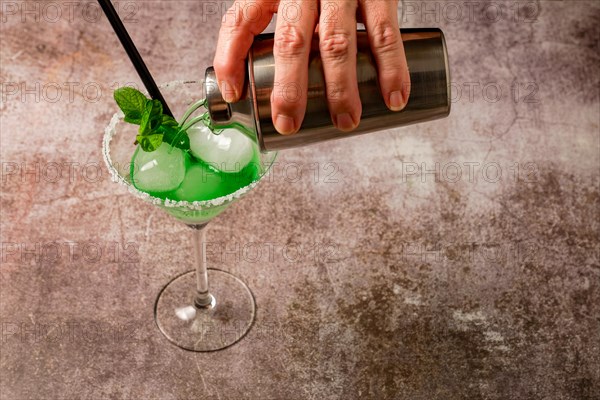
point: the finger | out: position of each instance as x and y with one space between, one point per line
381 21
293 35
244 20
337 43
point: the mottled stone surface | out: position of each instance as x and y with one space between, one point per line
374 278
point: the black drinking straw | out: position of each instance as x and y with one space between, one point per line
133 53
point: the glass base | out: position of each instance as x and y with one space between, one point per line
224 322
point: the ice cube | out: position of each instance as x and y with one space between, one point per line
200 183
228 152
161 170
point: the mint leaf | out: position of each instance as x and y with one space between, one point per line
151 117
150 142
131 101
156 107
133 117
155 127
167 120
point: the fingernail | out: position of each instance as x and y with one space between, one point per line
284 124
344 122
227 91
397 101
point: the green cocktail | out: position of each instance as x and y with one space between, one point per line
214 167
193 174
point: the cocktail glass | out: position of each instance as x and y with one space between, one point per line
190 312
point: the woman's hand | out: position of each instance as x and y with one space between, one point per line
297 22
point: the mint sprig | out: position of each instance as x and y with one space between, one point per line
155 127
132 102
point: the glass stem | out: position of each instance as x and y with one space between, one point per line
203 298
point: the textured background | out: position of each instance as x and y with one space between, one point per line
457 259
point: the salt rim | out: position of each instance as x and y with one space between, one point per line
110 131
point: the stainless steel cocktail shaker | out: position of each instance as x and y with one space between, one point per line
429 97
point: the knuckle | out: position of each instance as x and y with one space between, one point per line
223 67
342 98
287 96
290 42
386 38
280 105
335 45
